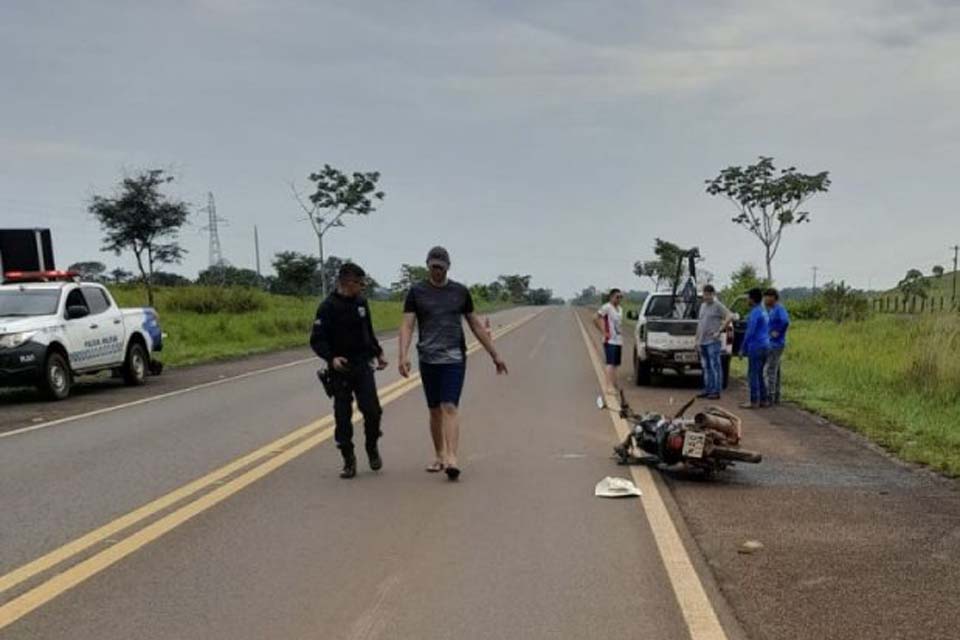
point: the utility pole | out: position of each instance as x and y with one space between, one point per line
256 247
815 269
956 251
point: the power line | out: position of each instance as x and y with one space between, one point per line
956 252
815 269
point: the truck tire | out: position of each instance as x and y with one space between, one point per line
136 365
725 369
57 378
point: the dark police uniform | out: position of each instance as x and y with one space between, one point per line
343 329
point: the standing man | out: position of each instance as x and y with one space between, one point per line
779 323
438 307
713 320
343 336
608 320
756 343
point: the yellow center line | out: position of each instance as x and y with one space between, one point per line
43 593
696 608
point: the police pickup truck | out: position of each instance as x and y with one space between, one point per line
665 337
54 328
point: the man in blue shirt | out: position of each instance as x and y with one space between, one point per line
756 344
779 323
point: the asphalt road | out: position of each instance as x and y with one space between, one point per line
519 547
217 513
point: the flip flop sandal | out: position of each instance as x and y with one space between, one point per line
436 467
453 473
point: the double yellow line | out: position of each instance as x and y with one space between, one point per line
267 459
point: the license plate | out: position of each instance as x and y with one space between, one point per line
693 443
687 356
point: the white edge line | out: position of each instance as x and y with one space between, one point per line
163 396
692 599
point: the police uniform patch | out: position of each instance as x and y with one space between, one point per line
362 311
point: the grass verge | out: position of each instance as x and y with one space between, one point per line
894 379
276 322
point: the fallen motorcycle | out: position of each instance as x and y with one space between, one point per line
709 441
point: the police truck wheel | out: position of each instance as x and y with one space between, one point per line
57 380
135 366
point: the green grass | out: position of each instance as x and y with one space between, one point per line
895 379
280 322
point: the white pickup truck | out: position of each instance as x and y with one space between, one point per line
51 331
666 339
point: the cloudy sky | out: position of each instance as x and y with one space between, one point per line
551 137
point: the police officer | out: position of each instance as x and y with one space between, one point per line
343 336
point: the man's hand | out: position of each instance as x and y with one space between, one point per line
382 363
404 368
774 334
501 366
339 363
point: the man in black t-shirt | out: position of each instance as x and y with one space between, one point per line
343 336
438 306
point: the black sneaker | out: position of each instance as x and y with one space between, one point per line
349 466
376 462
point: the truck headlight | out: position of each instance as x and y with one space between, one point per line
14 340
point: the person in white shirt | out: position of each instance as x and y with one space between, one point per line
609 320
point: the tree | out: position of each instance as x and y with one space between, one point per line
141 219
167 279
844 303
326 277
768 202
295 273
649 269
517 286
938 271
663 270
227 276
336 196
409 276
120 276
741 281
914 285
91 271
539 297
588 296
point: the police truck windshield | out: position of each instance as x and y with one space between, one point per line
24 303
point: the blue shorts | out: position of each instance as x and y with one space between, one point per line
442 383
614 354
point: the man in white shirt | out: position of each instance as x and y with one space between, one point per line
609 320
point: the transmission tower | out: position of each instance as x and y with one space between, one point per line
213 220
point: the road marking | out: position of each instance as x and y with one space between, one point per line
162 396
697 610
20 606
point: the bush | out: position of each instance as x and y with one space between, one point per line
933 366
806 309
215 300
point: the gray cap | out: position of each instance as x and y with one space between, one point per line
438 254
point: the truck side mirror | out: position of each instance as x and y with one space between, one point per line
77 311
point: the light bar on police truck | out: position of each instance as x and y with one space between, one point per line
40 276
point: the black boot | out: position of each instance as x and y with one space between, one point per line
373 453
349 465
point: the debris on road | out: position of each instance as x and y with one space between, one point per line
750 546
611 487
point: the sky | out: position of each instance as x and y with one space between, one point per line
549 138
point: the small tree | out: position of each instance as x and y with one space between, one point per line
517 286
914 286
337 195
121 276
227 276
938 271
141 219
844 303
741 281
295 273
91 271
540 297
649 269
409 275
768 201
